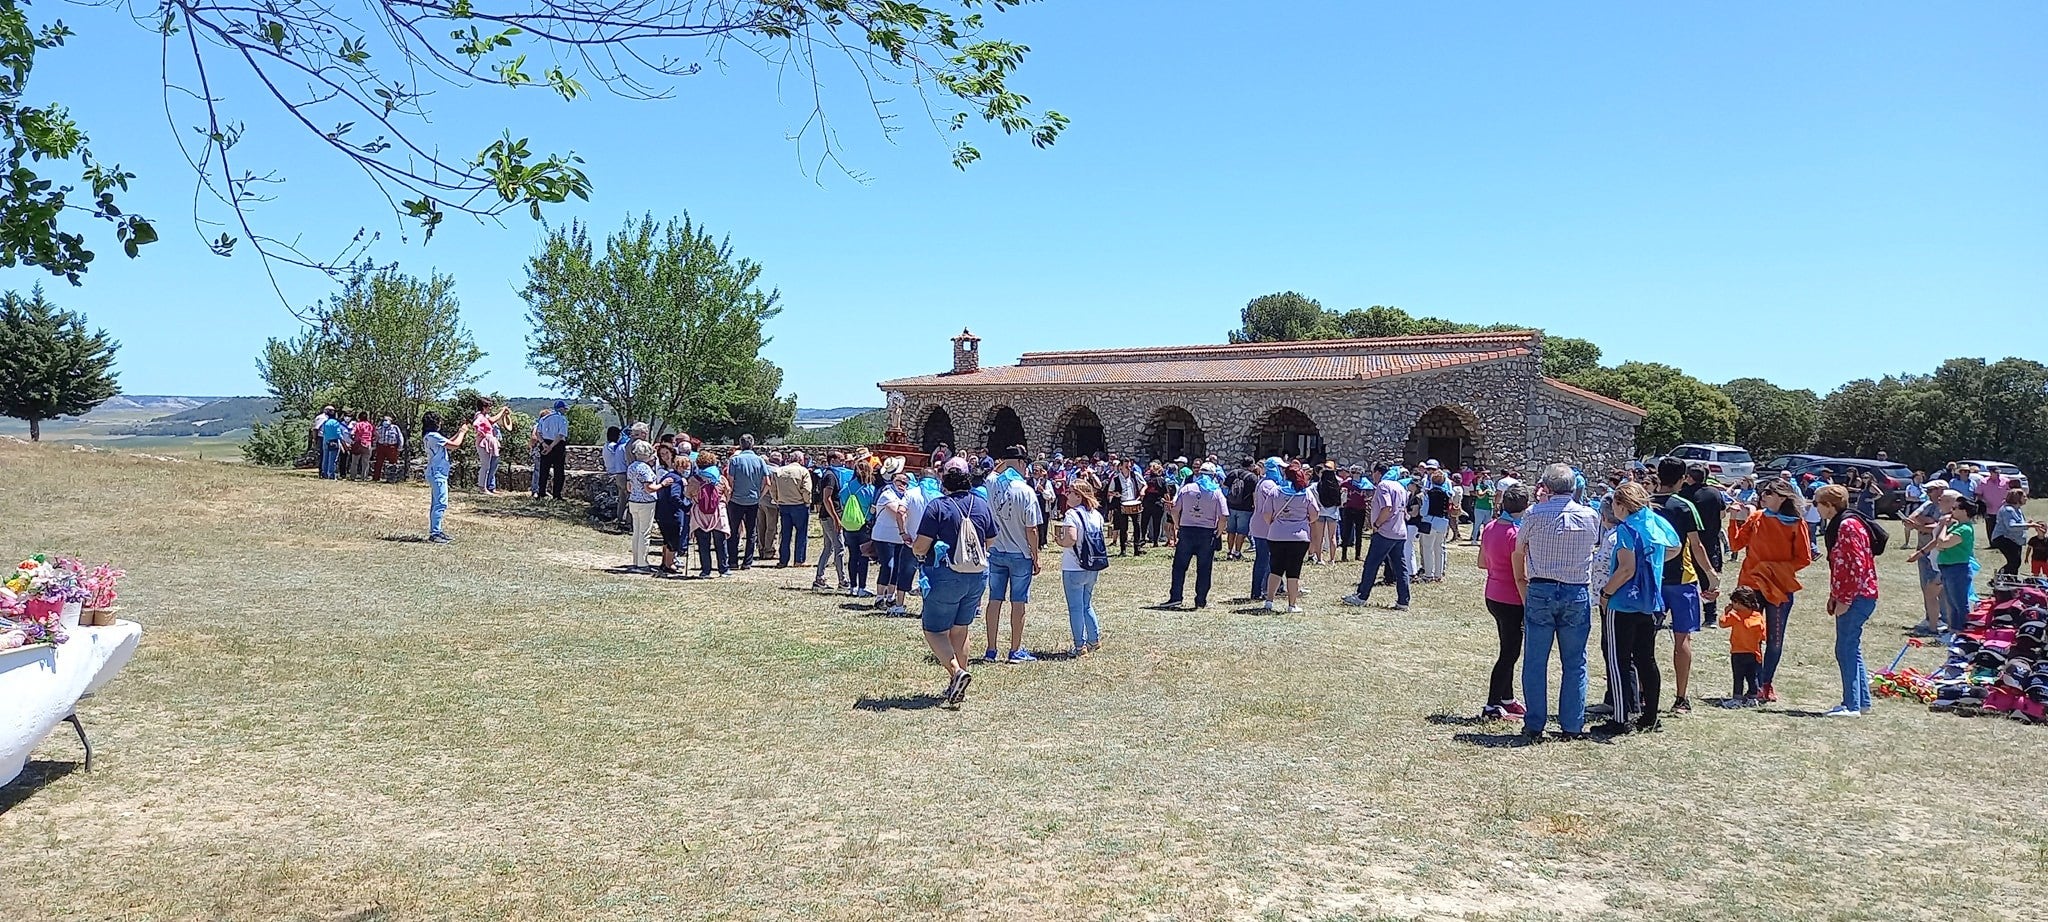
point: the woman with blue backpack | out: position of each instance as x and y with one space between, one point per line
1633 600
1084 556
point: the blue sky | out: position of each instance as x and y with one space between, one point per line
1785 190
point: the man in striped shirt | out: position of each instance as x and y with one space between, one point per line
1554 566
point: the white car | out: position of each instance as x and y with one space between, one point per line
1726 463
2008 471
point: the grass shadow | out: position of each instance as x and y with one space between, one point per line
35 776
898 703
404 539
1492 740
529 508
1800 713
1459 720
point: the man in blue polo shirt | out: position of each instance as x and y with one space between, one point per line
743 508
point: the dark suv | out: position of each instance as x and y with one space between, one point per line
1892 476
1782 463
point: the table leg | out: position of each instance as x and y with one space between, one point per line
82 741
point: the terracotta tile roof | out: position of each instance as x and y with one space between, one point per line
1602 399
1209 365
1453 342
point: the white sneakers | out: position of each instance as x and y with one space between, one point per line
1840 711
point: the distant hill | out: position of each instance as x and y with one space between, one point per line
834 414
216 417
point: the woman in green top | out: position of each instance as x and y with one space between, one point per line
1955 550
1482 504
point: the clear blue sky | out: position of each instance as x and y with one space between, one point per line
1712 186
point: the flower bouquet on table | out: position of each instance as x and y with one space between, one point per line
32 602
98 583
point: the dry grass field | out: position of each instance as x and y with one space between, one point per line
330 720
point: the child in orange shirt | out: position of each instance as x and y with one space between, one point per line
1744 619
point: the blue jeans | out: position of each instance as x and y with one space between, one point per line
1009 577
1776 616
954 599
1199 546
796 533
1955 595
1262 565
1553 613
1376 556
1480 516
330 459
895 565
437 501
1849 653
1080 587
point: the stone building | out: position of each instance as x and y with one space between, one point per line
1478 399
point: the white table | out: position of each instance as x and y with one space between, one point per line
40 687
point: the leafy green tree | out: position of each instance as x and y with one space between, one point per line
1566 356
37 213
296 373
1771 420
50 366
1680 407
1282 317
664 326
386 343
586 427
360 79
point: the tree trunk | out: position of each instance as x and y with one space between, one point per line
35 430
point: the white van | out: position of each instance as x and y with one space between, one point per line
1726 463
2008 471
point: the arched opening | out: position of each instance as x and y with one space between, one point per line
1173 433
1449 435
1286 431
1001 429
1080 433
937 429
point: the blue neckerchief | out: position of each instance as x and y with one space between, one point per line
1273 471
1009 474
1207 483
1787 519
1396 474
1514 520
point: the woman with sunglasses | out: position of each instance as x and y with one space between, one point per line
1778 545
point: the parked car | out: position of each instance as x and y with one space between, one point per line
2008 471
1892 476
1783 463
1729 463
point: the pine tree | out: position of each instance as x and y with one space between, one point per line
49 365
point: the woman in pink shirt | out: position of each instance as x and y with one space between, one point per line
1504 600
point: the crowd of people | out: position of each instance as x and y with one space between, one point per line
1637 553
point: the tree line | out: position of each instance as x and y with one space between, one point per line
662 323
1966 408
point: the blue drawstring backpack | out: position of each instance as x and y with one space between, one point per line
1645 534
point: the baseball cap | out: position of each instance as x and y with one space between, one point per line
1431 465
1210 467
1935 485
561 404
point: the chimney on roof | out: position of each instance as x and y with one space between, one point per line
966 353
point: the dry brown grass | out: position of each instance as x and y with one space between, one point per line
323 725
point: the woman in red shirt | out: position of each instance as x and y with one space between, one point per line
1852 593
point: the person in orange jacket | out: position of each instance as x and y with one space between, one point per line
1777 545
1744 619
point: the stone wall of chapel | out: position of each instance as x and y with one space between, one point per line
1520 426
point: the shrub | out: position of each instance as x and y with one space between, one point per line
278 444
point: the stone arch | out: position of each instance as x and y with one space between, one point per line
936 429
1448 433
1285 430
1173 432
1002 427
1079 432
